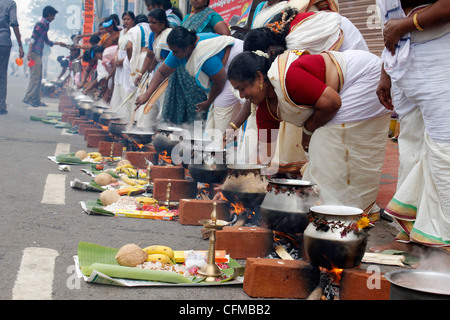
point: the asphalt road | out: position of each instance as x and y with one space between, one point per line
32 226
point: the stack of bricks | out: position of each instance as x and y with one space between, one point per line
296 279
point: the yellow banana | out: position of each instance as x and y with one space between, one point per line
123 167
94 155
142 182
157 249
142 175
146 200
159 258
98 159
127 180
130 172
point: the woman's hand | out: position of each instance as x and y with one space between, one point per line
203 106
137 80
143 98
305 142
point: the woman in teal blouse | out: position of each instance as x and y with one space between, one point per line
182 93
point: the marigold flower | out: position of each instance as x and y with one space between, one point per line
363 222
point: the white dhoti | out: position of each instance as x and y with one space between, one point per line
421 204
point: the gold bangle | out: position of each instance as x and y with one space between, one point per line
233 126
416 23
306 131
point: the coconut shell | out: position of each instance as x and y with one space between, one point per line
103 179
131 255
81 154
123 162
108 197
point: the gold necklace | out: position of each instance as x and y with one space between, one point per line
270 111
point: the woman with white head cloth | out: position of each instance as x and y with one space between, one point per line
331 96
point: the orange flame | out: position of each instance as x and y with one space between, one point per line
238 208
335 272
163 157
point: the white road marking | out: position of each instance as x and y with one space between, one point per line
55 189
62 148
35 276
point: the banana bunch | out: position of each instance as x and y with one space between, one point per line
157 253
96 156
132 182
146 200
127 169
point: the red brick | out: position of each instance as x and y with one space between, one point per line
358 284
71 119
276 278
167 172
137 158
83 127
93 140
193 210
87 131
245 242
104 148
180 189
78 121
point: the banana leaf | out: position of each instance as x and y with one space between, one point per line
68 158
97 207
103 259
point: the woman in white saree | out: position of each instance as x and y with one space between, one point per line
122 74
206 57
158 50
332 97
136 48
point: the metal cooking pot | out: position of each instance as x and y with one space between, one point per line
117 127
166 138
286 204
208 165
108 116
246 184
140 137
330 240
418 285
85 108
96 113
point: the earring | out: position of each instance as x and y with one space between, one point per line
261 85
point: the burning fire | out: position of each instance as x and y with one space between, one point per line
335 272
164 158
238 208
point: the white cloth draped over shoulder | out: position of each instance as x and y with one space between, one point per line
267 13
203 51
160 43
320 31
137 57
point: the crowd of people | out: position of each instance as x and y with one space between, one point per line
301 89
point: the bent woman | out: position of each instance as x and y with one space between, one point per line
206 58
332 97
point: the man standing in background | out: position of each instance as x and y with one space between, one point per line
8 19
38 39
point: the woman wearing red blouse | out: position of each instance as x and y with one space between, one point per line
332 96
